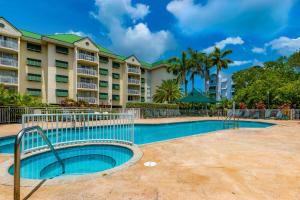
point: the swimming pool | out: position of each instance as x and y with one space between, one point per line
78 160
143 133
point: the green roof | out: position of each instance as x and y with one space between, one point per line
31 34
68 38
72 38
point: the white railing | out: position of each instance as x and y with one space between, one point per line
8 62
9 44
83 85
134 70
66 129
8 79
84 56
132 91
133 81
91 100
86 71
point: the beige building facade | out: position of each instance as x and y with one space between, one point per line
54 67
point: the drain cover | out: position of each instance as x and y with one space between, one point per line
150 164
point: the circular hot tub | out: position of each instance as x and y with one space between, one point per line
78 160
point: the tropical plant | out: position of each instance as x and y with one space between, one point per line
179 67
294 59
167 92
218 60
195 65
207 67
12 98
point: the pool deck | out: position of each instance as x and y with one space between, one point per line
241 164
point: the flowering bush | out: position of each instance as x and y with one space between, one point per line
260 105
243 105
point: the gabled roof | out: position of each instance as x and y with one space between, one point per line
67 38
31 35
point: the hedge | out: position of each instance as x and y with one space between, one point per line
151 105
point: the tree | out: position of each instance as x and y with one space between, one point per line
207 67
218 60
195 65
168 91
294 59
179 67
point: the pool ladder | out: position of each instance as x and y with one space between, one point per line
17 156
231 120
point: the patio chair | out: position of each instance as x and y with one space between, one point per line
268 114
279 115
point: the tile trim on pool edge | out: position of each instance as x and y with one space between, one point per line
7 179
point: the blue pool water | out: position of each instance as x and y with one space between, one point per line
95 158
143 134
78 161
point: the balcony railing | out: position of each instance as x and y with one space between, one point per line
86 71
9 79
134 92
86 57
8 62
134 70
91 100
82 85
9 44
133 81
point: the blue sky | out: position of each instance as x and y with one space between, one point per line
256 30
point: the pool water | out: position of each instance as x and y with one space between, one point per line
78 160
143 133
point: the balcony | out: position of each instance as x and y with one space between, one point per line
133 92
134 70
9 62
91 100
10 44
133 81
9 80
89 86
84 56
86 71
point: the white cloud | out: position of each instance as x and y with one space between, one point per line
284 46
258 50
241 62
127 33
231 16
223 43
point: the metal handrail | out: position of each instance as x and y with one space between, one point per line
17 156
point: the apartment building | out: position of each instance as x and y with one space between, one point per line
54 67
225 89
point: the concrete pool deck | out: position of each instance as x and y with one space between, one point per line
229 164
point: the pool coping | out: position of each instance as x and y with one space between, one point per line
7 179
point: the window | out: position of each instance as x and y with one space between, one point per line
61 64
103 96
116 65
62 93
62 79
143 90
142 99
62 50
34 62
34 47
143 71
34 92
103 84
115 76
103 72
116 97
103 59
143 80
34 77
116 86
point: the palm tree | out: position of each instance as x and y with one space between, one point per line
195 65
218 60
168 91
207 67
179 68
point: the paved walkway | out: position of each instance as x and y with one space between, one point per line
238 164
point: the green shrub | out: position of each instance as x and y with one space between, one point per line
151 105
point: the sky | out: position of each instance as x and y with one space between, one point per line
256 30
